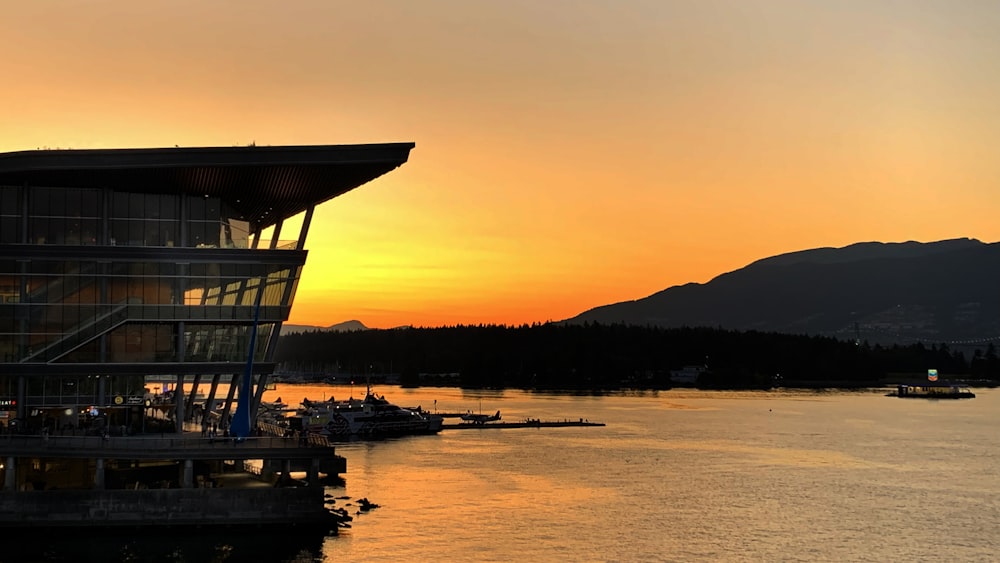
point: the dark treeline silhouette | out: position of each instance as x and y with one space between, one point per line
607 356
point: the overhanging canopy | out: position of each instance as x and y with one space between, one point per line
263 184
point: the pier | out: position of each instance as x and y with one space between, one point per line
530 423
174 480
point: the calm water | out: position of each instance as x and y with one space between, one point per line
674 476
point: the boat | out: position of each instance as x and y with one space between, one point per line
933 390
371 417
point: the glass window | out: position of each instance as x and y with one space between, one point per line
90 201
88 231
71 200
9 230
152 210
212 233
119 205
119 231
168 207
136 206
38 231
41 202
197 233
196 209
212 209
151 235
136 233
71 231
10 215
8 201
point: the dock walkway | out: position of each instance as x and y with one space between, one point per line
523 424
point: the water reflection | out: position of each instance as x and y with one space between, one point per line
679 475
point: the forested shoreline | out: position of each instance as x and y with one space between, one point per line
608 356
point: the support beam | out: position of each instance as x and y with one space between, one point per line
102 389
305 227
234 382
190 401
256 238
276 234
257 396
179 405
210 401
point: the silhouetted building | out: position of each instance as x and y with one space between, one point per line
122 264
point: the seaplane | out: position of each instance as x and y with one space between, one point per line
480 418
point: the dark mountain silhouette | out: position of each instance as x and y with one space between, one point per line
939 292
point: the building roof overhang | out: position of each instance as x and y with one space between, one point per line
264 184
37 369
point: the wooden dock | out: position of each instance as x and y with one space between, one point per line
523 424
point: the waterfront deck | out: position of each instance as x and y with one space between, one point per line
162 508
156 447
170 480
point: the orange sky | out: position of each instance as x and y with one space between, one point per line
568 154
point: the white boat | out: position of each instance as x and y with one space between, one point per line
371 417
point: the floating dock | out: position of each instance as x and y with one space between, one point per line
523 424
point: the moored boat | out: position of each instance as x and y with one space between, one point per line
371 417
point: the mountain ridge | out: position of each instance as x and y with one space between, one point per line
882 292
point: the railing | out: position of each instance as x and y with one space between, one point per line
284 433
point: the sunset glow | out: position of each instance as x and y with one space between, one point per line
568 154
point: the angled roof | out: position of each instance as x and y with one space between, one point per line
263 183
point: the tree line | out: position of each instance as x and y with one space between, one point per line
605 356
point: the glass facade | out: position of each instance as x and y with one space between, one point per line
85 216
95 276
54 307
126 267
